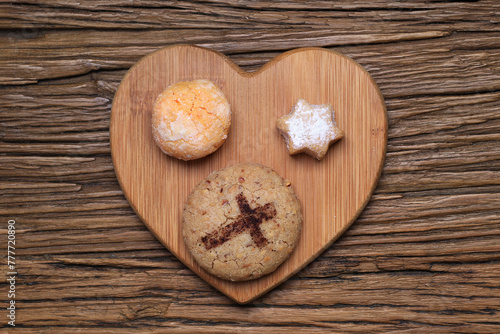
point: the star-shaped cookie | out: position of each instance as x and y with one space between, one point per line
309 128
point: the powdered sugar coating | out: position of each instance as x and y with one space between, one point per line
309 128
191 119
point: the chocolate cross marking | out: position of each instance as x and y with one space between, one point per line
248 220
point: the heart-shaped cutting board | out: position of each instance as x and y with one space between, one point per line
333 191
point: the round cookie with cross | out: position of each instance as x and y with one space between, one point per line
242 222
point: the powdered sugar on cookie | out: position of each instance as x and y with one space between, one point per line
309 128
190 119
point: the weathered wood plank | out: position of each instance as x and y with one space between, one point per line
476 65
234 14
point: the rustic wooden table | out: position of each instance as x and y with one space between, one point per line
424 256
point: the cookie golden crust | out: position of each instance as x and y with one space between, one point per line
309 128
191 119
242 222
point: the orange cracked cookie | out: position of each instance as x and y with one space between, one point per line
191 119
242 222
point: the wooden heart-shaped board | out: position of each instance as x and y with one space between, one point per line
333 191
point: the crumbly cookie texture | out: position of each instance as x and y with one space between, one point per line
242 222
191 119
309 128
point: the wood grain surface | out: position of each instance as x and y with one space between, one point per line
333 191
424 256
